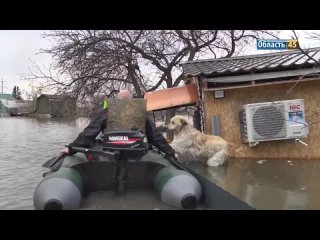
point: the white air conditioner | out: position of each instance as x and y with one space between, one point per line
270 121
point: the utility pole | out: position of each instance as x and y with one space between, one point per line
2 85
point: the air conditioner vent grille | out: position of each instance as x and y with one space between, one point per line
269 122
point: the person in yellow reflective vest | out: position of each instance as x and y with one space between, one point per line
105 104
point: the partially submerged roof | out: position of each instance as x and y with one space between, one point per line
10 103
172 97
6 96
251 63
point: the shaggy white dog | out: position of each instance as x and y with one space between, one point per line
189 141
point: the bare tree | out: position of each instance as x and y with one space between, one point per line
93 64
306 51
313 36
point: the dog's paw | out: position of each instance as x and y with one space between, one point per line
212 163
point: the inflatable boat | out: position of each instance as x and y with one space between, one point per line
116 167
72 178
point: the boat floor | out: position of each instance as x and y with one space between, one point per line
215 197
133 200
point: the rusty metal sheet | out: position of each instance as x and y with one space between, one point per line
172 97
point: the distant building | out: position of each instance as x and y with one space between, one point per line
56 105
7 104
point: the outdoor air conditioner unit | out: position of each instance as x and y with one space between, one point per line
270 121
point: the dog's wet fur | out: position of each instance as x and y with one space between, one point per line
212 150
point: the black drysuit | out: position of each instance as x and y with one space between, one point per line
87 137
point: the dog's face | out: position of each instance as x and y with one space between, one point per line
176 123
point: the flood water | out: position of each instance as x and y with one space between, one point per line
269 184
26 143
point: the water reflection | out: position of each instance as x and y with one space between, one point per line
269 184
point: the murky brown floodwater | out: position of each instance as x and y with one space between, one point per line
269 184
26 143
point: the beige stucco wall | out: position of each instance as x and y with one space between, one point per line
228 109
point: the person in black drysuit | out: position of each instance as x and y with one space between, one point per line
87 137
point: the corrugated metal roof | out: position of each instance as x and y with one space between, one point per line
249 63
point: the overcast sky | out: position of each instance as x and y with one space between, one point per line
17 47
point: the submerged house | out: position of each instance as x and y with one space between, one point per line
9 104
246 100
56 105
